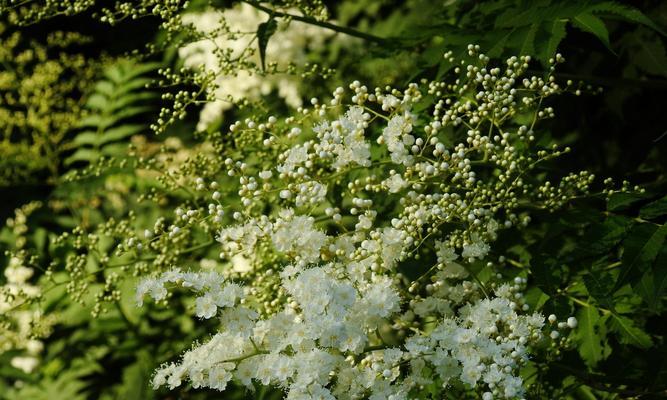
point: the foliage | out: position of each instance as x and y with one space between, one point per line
137 143
115 100
40 89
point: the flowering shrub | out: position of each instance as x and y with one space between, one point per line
438 231
326 222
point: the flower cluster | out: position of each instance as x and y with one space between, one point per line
228 39
357 232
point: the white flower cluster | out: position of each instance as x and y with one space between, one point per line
214 295
357 229
344 139
230 35
14 292
326 328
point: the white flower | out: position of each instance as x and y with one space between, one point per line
477 249
205 306
395 183
396 136
26 364
300 237
218 377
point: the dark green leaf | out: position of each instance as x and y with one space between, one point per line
602 237
626 12
653 284
264 32
628 332
592 336
622 201
600 287
640 248
655 209
557 33
590 23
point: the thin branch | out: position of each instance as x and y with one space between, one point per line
309 20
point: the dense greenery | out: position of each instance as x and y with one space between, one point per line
125 127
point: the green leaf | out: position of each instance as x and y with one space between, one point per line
120 132
499 46
653 284
129 86
590 23
602 237
628 332
115 149
528 44
640 248
105 88
600 287
623 201
86 138
592 336
626 12
136 379
264 32
82 154
655 209
97 101
128 99
557 33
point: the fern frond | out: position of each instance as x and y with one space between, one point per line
117 100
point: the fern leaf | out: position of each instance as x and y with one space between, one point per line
85 138
120 132
87 155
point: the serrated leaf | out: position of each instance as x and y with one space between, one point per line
655 209
592 336
640 248
557 33
623 201
600 287
264 32
528 43
626 12
628 332
602 237
499 46
653 284
129 112
92 121
592 24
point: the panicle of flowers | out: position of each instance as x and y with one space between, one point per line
215 293
324 218
21 325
